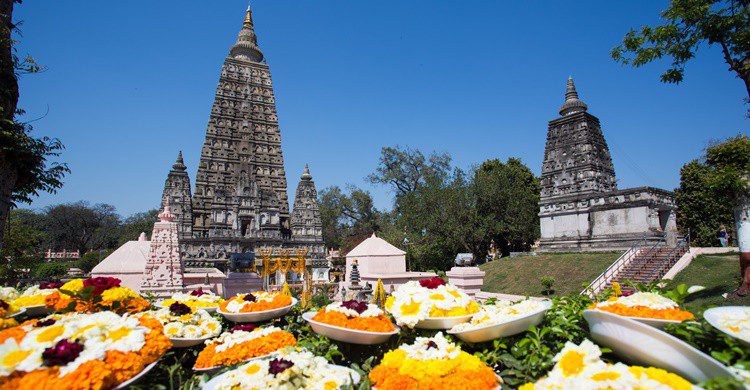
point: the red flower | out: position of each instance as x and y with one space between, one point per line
432 283
198 292
101 283
62 353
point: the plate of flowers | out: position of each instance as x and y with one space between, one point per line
352 322
241 344
184 326
96 294
196 299
433 362
133 380
257 306
291 368
580 367
99 350
639 343
646 307
430 304
732 320
504 318
33 298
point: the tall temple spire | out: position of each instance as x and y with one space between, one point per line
572 105
306 176
179 165
247 41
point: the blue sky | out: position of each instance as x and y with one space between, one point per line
130 83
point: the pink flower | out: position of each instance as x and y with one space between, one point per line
359 307
243 327
432 283
62 353
50 285
101 283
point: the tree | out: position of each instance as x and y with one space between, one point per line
404 169
82 227
701 208
23 244
507 197
346 215
688 24
136 224
25 169
730 162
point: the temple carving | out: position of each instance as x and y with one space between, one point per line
240 199
581 207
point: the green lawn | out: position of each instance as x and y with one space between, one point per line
719 274
520 275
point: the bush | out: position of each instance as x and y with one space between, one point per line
50 270
88 261
547 282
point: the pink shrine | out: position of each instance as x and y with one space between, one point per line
163 274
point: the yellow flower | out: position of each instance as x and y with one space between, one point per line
75 285
667 378
115 294
7 323
616 290
527 386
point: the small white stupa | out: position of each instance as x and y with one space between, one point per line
379 259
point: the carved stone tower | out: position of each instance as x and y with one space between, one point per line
307 224
576 159
163 273
240 189
177 194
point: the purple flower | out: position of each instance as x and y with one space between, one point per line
249 297
47 322
245 327
198 292
432 344
357 306
277 366
179 308
62 353
50 285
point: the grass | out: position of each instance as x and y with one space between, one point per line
719 274
521 274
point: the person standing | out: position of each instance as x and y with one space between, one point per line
723 236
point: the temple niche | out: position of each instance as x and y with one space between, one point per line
580 206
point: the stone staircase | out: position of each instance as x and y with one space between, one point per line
642 263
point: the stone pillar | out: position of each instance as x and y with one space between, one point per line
469 279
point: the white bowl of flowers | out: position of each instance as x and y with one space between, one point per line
184 326
257 306
502 319
352 322
430 304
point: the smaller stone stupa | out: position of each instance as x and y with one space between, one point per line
355 290
163 275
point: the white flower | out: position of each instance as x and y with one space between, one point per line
371 311
501 312
647 299
432 348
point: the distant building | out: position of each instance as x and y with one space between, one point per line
580 206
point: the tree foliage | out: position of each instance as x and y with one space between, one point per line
82 227
701 208
346 216
136 224
687 25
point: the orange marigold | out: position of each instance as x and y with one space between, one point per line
380 323
279 300
272 342
646 312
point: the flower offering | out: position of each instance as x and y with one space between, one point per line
736 322
181 321
355 315
432 363
196 299
95 294
256 301
502 311
288 370
579 367
644 305
36 295
416 301
241 343
78 351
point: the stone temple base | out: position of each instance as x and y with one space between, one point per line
162 292
240 282
618 243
